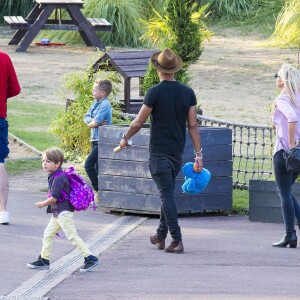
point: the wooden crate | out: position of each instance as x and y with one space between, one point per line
125 183
264 201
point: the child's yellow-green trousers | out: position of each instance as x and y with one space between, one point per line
66 223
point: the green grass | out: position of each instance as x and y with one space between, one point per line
15 167
240 203
30 122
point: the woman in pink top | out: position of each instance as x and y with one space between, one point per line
285 117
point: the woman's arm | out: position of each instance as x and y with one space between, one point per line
292 127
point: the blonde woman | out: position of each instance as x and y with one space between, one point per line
285 118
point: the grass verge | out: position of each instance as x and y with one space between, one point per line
16 167
30 122
240 204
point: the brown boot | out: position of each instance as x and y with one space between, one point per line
156 241
175 247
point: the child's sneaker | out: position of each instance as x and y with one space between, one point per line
40 264
94 204
90 262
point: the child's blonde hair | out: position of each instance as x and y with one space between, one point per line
104 85
55 155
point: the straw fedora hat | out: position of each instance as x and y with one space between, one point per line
166 61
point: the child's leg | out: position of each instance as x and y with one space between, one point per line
49 233
91 165
66 223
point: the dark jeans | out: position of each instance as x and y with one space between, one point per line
164 171
289 204
3 139
91 165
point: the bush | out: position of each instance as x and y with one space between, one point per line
69 125
287 28
15 8
238 9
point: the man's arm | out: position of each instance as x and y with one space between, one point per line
136 124
195 137
13 86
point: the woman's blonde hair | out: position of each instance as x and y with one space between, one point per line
291 79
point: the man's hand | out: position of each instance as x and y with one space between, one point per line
198 164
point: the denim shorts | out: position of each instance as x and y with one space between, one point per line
3 139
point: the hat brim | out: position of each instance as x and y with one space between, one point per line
154 61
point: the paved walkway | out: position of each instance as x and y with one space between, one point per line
225 258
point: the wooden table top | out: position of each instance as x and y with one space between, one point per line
59 1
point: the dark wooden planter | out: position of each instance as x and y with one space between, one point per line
125 182
264 201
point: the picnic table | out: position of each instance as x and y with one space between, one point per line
39 19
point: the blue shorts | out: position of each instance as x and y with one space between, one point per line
3 139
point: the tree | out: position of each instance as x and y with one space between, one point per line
182 28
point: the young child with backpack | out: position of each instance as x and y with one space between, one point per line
61 190
100 113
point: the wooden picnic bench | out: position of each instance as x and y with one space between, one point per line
100 24
17 22
38 19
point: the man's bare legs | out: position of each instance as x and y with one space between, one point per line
4 187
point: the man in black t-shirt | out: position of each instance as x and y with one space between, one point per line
170 105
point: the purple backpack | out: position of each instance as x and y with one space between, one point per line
81 195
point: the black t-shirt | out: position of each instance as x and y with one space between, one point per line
170 102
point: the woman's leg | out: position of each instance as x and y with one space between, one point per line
284 182
295 201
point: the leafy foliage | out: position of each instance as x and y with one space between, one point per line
183 29
69 125
238 9
287 28
15 8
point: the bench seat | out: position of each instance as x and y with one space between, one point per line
100 24
16 22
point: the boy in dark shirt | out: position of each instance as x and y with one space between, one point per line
63 213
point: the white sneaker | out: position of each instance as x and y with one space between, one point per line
4 218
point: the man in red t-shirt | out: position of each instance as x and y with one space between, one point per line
9 87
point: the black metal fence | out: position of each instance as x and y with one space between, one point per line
252 147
